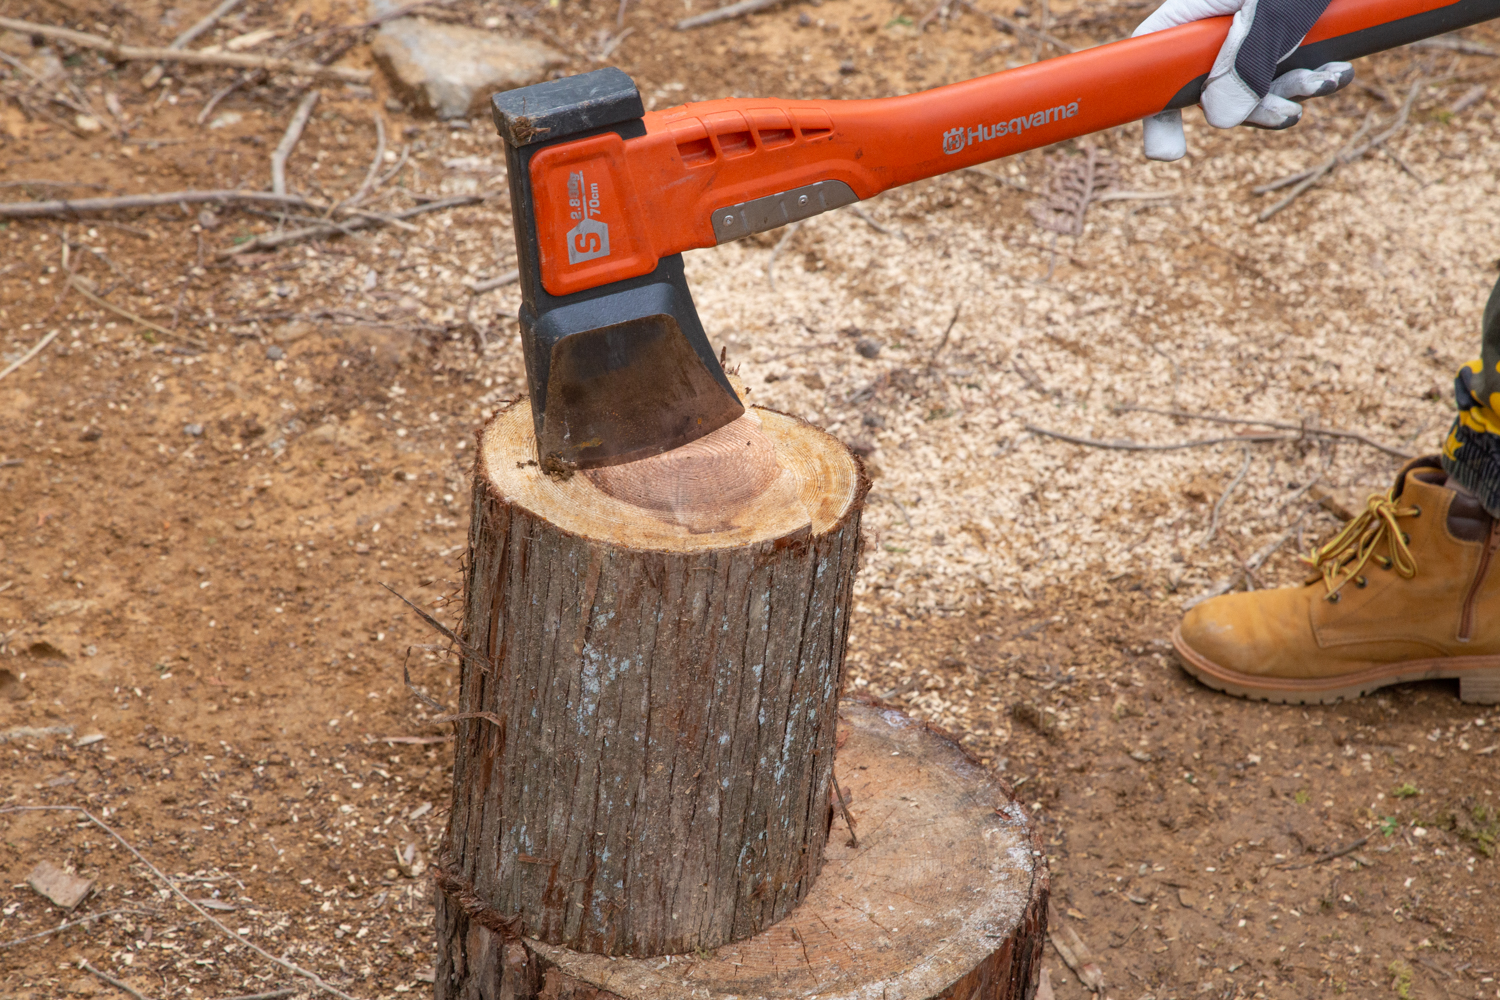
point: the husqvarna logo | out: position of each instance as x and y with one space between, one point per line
955 140
589 239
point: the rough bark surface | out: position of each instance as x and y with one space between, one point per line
645 766
945 896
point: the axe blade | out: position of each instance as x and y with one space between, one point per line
619 372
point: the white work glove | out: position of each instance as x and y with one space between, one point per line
1242 88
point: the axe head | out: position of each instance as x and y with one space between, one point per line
618 372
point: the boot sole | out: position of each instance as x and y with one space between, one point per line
1478 678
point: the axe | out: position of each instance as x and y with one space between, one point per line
605 197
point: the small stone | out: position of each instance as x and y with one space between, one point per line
872 420
804 20
274 353
451 70
91 433
848 68
394 106
87 123
208 220
324 434
868 347
1188 898
12 688
62 888
193 430
353 486
863 447
244 524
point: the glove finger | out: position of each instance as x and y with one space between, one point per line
1320 82
1227 100
1275 113
1163 137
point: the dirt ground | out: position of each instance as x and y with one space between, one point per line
197 524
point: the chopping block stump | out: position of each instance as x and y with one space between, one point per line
652 659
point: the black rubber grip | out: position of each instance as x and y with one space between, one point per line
1368 41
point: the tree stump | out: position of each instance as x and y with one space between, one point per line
945 896
651 667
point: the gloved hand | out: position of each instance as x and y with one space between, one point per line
1242 88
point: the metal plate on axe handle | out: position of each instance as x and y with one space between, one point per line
619 372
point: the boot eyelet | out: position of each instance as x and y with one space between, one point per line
1361 582
1405 538
1416 511
1333 598
1384 562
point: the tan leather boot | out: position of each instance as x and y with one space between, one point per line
1408 591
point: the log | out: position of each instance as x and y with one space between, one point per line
652 658
944 897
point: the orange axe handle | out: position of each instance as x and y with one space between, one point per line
609 208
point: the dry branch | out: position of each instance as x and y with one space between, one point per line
1309 178
209 20
1282 425
289 139
111 980
131 53
366 219
79 206
71 923
725 13
498 281
78 286
35 350
1125 445
1016 28
1234 484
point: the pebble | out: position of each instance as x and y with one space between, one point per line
193 430
274 353
450 70
868 347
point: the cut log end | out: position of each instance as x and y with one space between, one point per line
945 897
762 477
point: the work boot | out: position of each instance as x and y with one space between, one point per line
1408 591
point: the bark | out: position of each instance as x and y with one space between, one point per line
653 656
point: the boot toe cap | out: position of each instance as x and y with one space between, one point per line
1260 633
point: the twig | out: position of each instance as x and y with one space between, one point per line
289 140
132 53
435 625
1332 432
291 967
776 252
70 207
1252 564
946 331
80 289
1016 28
272 240
111 980
272 995
375 161
1213 524
35 350
725 13
999 177
489 717
1124 445
883 230
209 20
67 926
844 808
1341 158
424 699
498 281
1330 856
939 9
1471 97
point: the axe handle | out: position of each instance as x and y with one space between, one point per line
608 208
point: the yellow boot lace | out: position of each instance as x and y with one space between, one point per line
1344 557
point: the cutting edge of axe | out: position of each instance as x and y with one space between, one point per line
606 197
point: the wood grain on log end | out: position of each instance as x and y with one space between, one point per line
945 897
659 649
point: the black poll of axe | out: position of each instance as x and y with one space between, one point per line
605 197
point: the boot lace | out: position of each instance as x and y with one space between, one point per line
1344 557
